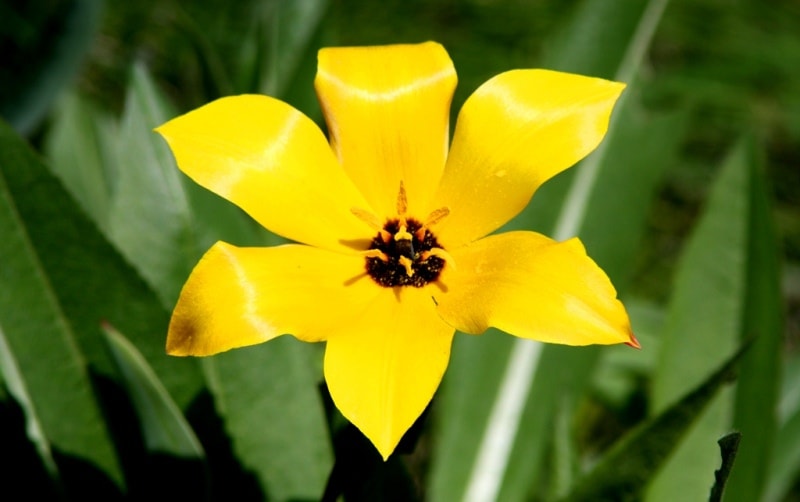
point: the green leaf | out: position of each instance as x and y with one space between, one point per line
160 220
611 199
164 428
87 277
620 369
41 362
704 325
755 408
784 464
81 149
43 64
729 448
150 220
126 179
623 472
163 222
12 376
273 413
292 25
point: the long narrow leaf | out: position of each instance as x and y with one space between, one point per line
164 428
784 463
755 409
703 326
15 380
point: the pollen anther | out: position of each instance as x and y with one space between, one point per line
367 217
407 264
402 200
376 253
436 216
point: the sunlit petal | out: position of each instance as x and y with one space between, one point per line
273 162
383 369
514 133
387 110
243 296
532 287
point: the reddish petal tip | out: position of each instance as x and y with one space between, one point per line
633 342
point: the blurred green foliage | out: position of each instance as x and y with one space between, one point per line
694 213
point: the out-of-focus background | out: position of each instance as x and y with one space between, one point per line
694 213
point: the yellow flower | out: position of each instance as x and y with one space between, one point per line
392 224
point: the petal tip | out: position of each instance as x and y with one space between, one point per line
633 342
385 452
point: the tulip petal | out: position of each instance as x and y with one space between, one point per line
532 287
273 162
243 296
515 132
387 110
383 370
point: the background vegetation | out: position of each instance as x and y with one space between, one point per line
691 205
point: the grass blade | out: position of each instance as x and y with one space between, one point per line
756 400
703 326
164 428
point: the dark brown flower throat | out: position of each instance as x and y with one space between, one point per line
403 255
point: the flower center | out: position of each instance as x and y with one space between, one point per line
404 253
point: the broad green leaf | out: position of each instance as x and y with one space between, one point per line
704 325
163 222
755 409
126 179
160 220
610 200
150 220
39 350
81 148
273 413
87 278
623 472
40 66
181 219
164 428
